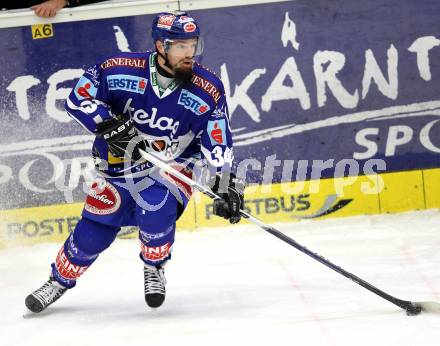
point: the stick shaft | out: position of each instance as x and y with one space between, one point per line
404 304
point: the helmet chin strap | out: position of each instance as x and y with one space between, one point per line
165 57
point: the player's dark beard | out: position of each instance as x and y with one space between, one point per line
183 74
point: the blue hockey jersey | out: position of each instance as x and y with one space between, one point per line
181 122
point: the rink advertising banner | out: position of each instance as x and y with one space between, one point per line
309 84
54 222
286 202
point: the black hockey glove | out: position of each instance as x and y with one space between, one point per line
231 192
118 132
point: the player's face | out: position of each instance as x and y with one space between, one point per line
181 53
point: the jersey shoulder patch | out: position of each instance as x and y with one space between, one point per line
135 61
207 81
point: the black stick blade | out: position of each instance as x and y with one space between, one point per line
413 309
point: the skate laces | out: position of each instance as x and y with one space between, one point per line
49 292
154 279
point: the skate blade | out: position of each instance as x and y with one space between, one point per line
28 314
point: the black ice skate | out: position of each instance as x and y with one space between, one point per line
154 285
47 294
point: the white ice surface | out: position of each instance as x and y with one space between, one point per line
241 286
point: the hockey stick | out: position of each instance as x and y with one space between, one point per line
411 308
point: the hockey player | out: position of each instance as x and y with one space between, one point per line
163 102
